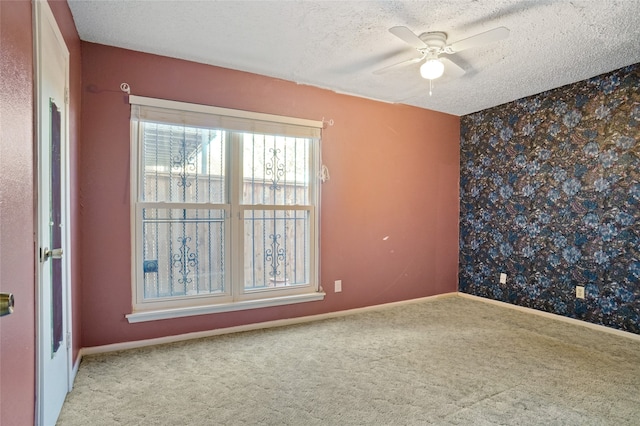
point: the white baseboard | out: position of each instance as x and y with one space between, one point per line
291 321
556 317
248 327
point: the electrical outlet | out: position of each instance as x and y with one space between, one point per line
503 278
338 286
579 292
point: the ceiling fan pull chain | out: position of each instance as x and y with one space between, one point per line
430 87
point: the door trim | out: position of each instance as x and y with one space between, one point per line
42 15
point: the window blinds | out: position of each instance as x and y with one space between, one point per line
196 115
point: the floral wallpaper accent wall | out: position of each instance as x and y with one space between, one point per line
550 195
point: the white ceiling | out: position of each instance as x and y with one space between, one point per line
338 44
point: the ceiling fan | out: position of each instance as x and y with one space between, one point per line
431 45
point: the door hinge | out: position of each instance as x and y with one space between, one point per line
68 339
66 95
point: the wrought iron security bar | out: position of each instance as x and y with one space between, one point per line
184 242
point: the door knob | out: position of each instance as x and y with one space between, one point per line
51 254
6 304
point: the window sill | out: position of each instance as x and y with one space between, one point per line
143 316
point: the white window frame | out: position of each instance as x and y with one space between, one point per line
235 297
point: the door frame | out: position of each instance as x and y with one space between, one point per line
43 16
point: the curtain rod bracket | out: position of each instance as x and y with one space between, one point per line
125 88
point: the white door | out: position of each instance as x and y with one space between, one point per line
53 339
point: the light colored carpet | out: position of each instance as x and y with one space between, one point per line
448 361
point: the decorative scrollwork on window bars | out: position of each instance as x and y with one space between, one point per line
184 260
274 255
275 169
183 163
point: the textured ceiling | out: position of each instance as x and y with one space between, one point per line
338 44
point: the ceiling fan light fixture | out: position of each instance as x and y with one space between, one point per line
431 69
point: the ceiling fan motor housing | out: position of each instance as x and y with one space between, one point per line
434 40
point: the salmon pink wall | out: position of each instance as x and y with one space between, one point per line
17 259
389 219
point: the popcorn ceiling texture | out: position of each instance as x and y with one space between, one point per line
550 194
338 45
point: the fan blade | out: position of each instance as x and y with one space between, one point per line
486 37
398 65
451 69
407 36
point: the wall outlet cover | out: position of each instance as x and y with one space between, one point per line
503 278
580 292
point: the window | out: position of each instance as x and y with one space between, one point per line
224 209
